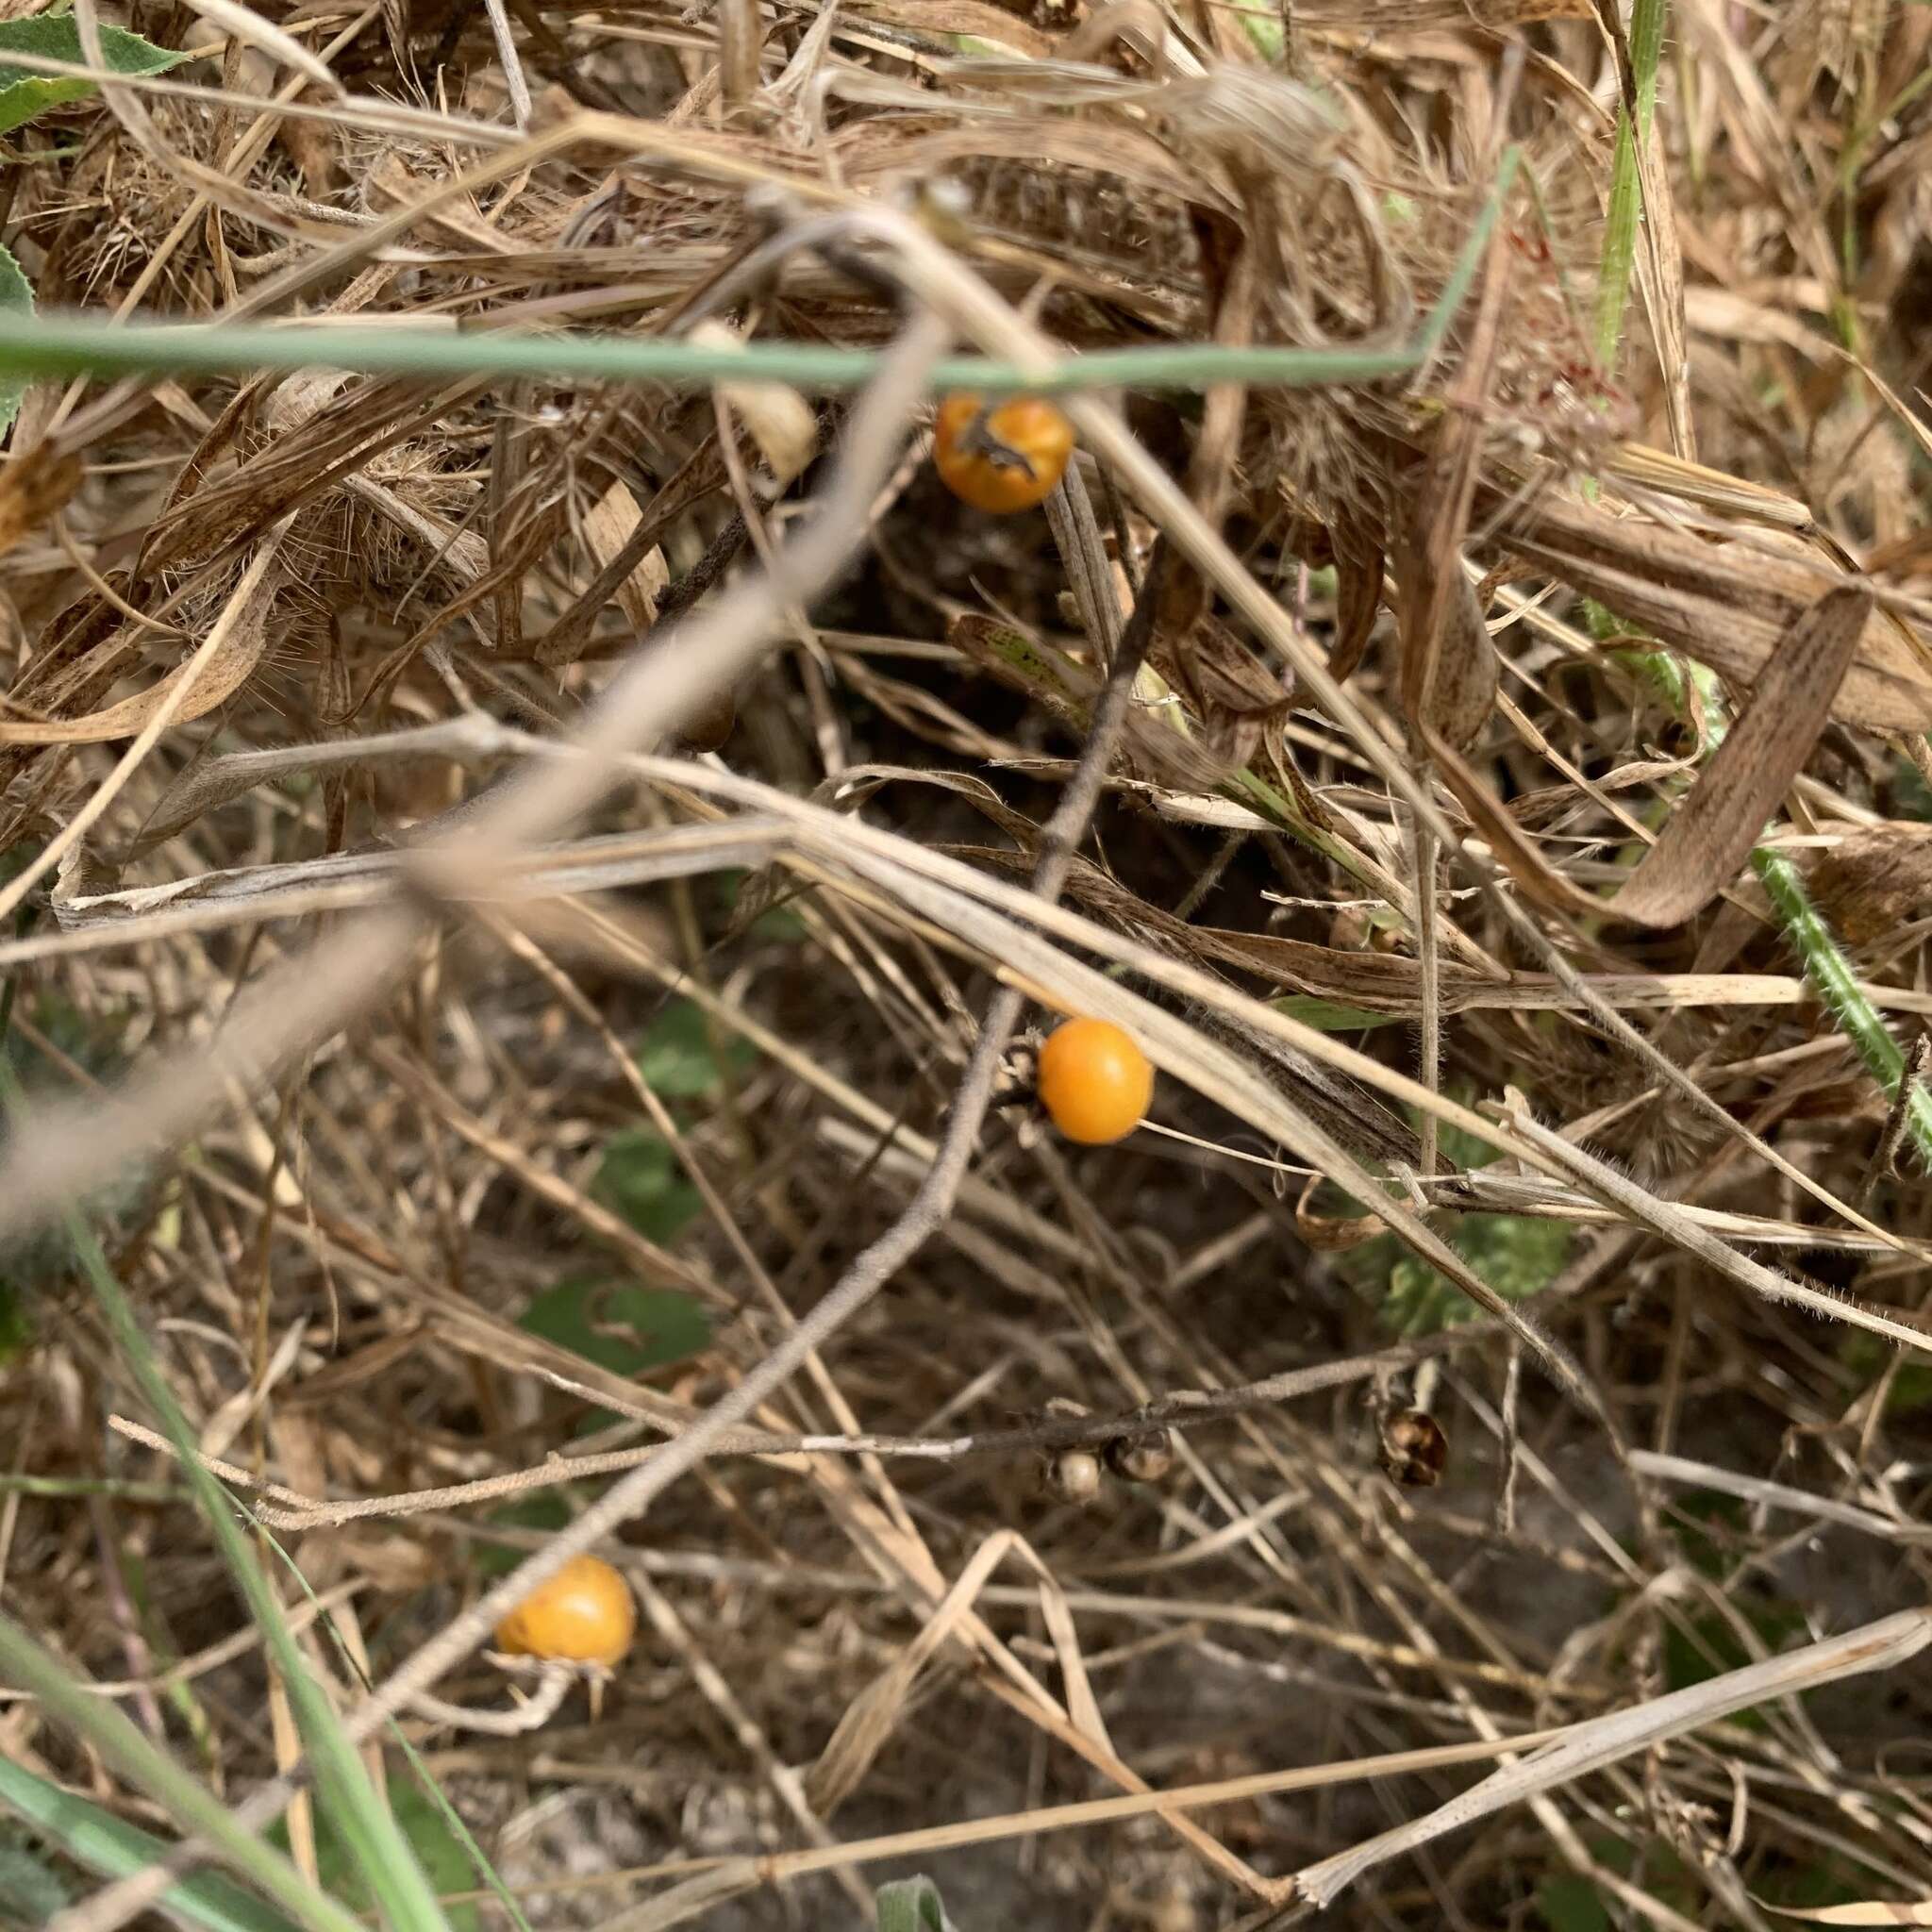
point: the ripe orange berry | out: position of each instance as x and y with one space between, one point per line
584 1615
1002 458
1094 1081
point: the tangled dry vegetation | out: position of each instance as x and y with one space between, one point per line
1490 782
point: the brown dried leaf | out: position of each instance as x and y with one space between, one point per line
777 418
1331 1233
231 664
33 486
608 526
1358 565
1727 605
1451 689
203 788
1711 833
1448 663
1874 881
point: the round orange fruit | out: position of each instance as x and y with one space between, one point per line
1094 1081
585 1614
1004 458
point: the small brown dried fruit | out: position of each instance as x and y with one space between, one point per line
1145 1457
1415 1451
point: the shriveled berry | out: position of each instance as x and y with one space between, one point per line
1144 1456
1074 1475
1415 1451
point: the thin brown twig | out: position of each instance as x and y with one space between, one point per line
1181 1410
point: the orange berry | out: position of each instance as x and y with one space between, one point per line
1003 458
584 1615
1094 1081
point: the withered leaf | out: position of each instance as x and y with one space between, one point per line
1727 605
240 639
1712 831
33 486
1874 881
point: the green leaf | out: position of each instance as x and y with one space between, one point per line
1518 1255
105 1844
438 1849
1329 1016
1910 1387
912 1904
16 293
619 1326
30 1891
676 1057
642 1179
56 36
1570 1904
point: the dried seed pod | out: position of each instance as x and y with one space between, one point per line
1074 1475
1415 1451
1145 1457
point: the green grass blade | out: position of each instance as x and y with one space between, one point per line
1840 988
69 344
355 1811
478 1857
1626 183
189 1802
113 1848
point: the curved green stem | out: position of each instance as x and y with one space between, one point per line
1838 987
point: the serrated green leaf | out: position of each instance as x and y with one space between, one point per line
56 36
912 1904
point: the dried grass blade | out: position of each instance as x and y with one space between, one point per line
1711 832
203 787
245 23
1587 1747
1872 1911
228 658
1448 663
1667 1218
